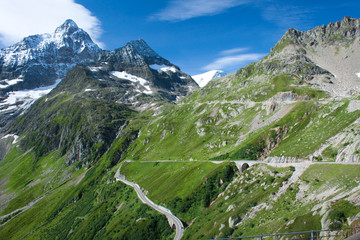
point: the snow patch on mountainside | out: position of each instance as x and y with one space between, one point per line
169 69
205 78
25 97
164 68
134 79
9 82
95 69
13 136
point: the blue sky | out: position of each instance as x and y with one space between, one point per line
196 35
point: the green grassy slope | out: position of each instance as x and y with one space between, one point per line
85 205
69 147
186 188
212 130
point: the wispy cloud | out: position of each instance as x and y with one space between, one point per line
233 51
21 18
230 62
233 60
179 10
282 15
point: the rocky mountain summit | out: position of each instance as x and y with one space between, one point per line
324 58
346 30
144 68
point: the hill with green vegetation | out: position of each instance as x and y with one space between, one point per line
295 111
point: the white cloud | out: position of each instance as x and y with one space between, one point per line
179 10
21 18
233 51
234 61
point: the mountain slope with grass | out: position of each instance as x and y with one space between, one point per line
283 107
295 112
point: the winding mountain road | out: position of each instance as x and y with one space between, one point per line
172 219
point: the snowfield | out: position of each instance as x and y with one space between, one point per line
163 68
134 79
28 97
95 69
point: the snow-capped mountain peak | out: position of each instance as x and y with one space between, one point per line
204 78
68 27
70 36
39 60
